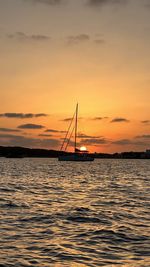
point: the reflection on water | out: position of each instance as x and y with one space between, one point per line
74 214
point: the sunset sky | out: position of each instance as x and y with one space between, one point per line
55 53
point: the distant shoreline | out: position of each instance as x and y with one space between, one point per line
22 152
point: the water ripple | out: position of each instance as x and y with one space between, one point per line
74 214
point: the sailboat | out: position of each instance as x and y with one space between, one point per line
77 155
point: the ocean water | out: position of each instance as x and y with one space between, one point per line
74 214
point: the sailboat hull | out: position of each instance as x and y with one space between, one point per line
75 157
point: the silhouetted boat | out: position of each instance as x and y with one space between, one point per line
78 154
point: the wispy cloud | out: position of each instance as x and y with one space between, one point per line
120 120
82 135
22 115
99 118
54 131
95 141
76 39
10 136
144 136
45 135
21 36
105 2
47 2
122 142
31 126
67 119
9 130
125 142
18 140
146 122
40 115
99 41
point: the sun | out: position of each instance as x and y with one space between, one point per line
83 148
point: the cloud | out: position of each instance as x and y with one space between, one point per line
68 142
105 2
31 126
46 135
99 41
22 115
9 130
47 142
144 136
47 2
76 39
95 141
21 36
99 118
146 122
10 136
82 135
18 140
120 120
124 142
67 119
54 131
40 115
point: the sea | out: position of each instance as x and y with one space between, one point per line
74 214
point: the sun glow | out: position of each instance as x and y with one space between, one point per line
83 148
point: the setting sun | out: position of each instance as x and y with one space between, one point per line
83 148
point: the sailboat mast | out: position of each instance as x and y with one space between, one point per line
76 128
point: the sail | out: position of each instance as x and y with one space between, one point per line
76 128
71 129
78 154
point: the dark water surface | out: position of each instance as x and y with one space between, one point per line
74 214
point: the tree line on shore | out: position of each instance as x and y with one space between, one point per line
21 152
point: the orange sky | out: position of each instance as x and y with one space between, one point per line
53 55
